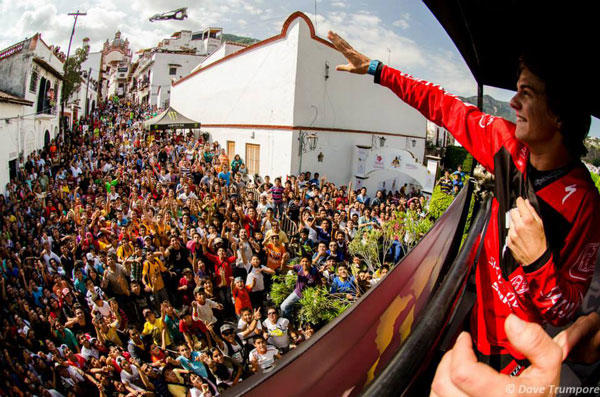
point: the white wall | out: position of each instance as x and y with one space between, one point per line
275 147
160 78
93 62
338 149
224 50
281 83
254 88
346 100
9 133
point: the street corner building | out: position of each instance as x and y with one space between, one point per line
30 87
281 105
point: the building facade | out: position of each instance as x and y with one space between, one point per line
283 108
31 84
175 57
84 97
115 67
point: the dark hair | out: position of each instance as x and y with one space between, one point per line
565 99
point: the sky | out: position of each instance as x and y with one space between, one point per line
402 33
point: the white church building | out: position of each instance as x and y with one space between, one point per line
281 105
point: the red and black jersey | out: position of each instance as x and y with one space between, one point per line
552 288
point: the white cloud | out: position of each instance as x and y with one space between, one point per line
403 22
339 4
367 33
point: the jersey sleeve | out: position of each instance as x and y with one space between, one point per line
557 287
481 134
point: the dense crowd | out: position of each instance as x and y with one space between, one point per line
138 263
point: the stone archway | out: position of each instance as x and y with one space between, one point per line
46 138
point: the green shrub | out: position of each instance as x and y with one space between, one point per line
439 202
317 306
282 286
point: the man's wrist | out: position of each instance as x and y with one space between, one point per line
539 262
373 67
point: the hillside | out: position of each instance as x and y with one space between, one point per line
494 106
239 39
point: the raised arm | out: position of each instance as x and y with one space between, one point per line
481 134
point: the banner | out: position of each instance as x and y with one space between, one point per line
346 355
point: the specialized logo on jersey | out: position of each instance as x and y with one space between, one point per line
519 284
486 120
569 190
583 268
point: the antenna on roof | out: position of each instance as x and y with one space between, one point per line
316 18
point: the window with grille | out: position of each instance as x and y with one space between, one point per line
33 81
252 158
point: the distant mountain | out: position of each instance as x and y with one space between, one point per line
239 39
494 107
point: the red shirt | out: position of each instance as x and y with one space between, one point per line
242 298
224 264
552 288
193 328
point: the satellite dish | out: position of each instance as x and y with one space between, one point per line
179 15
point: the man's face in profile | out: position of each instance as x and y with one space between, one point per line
536 124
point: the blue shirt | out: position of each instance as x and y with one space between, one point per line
346 287
226 176
194 364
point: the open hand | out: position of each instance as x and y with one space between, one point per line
357 62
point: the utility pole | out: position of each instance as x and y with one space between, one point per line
62 102
87 87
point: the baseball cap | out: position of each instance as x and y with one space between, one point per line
226 327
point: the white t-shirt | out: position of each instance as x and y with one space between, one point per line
278 332
260 280
205 312
265 361
246 249
104 310
242 325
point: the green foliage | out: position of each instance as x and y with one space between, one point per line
467 164
415 226
593 151
239 39
455 156
439 202
596 180
282 286
366 245
469 219
318 306
72 78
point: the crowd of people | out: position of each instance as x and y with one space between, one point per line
452 182
138 263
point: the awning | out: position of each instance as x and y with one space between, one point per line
492 34
170 119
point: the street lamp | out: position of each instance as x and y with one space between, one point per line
307 143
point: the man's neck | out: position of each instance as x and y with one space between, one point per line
549 156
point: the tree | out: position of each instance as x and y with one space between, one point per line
282 286
318 306
72 78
